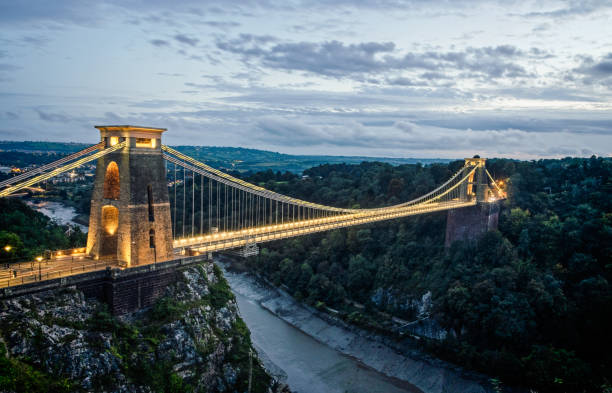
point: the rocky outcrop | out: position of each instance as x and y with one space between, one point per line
192 339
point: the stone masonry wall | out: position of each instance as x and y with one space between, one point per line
469 223
124 291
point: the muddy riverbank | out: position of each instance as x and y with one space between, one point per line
408 371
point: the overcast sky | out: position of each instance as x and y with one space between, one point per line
380 78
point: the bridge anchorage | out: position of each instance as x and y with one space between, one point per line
152 204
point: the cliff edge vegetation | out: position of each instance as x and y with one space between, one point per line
191 340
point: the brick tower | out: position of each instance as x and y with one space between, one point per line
130 210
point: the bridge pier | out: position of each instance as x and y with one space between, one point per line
470 223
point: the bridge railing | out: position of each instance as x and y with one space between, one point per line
74 252
34 271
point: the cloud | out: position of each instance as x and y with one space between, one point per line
405 126
156 104
9 67
339 60
542 27
62 11
541 124
14 134
9 116
401 81
159 43
407 138
331 58
6 69
223 25
400 136
38 41
594 71
573 8
184 39
52 117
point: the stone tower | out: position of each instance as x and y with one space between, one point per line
470 223
476 185
130 210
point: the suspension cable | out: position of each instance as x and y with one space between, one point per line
51 165
40 178
184 206
175 203
192 202
219 176
209 205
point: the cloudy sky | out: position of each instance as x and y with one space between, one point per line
394 78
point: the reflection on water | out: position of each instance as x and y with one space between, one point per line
311 366
59 212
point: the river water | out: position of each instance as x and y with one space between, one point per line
59 212
307 365
311 367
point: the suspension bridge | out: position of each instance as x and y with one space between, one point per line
133 222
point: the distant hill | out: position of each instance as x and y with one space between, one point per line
42 147
232 158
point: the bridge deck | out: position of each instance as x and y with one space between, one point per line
32 271
228 240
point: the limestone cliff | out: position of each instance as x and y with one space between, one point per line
192 339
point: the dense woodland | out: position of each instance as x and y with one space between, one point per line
528 304
29 233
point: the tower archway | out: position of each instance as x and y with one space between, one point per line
110 224
111 181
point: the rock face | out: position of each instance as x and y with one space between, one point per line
192 339
470 223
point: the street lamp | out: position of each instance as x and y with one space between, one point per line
8 248
39 259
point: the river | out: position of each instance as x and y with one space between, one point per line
311 367
308 365
313 356
58 211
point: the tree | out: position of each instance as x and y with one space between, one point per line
11 246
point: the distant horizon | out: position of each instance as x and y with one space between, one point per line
439 158
250 148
